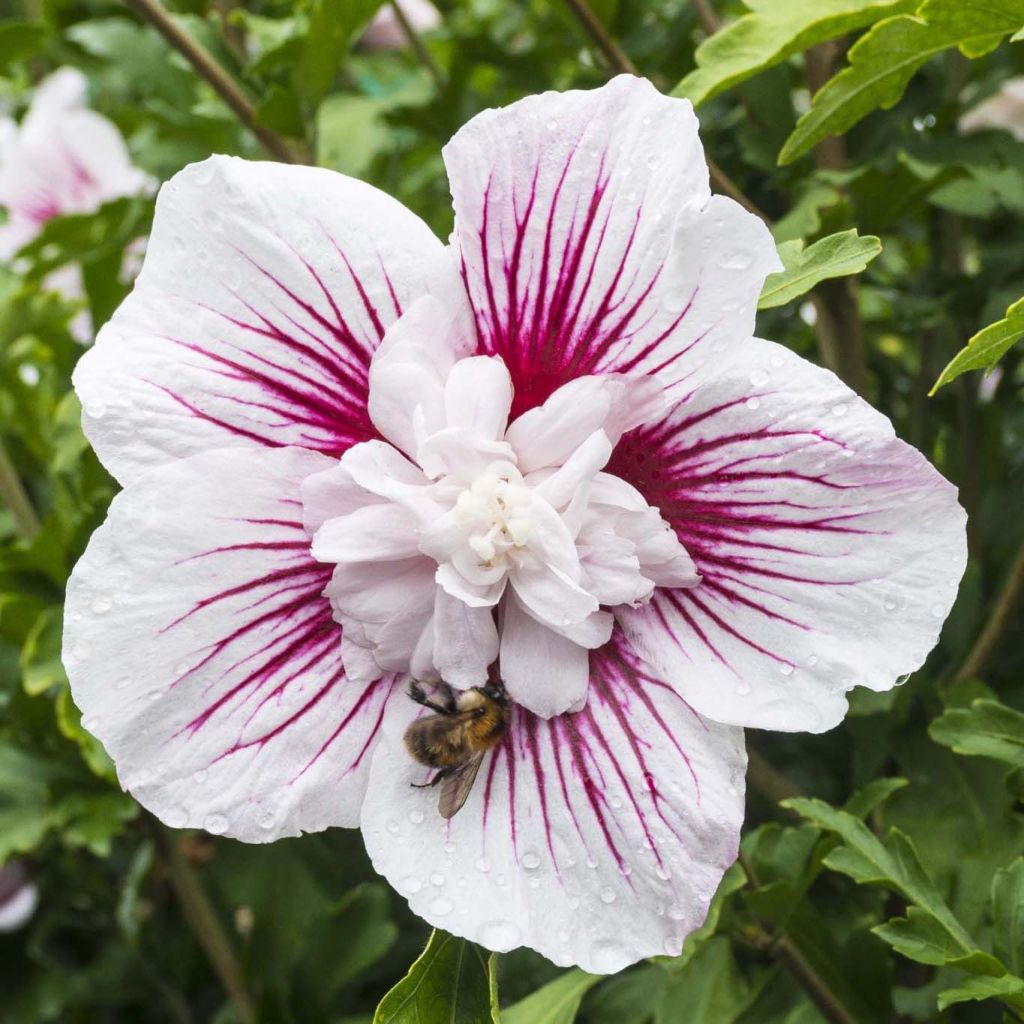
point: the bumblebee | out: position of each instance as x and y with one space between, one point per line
463 726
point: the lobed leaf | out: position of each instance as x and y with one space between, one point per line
1008 988
1008 915
987 347
986 729
773 31
838 255
883 61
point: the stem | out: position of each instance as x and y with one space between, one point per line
781 948
613 53
16 499
724 184
709 19
839 328
768 780
998 621
419 47
206 927
223 84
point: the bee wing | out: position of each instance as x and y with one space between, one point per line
455 787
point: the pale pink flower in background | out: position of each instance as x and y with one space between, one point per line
351 453
386 33
1004 111
63 158
19 896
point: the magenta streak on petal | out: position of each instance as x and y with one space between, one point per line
549 320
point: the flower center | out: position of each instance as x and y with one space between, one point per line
496 508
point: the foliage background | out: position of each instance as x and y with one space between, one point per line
826 918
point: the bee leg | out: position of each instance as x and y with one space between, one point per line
442 774
417 693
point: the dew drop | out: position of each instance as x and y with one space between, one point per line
176 817
812 660
663 872
449 847
742 689
738 259
938 610
890 604
97 410
607 895
552 126
531 861
483 865
200 775
215 824
441 905
416 817
759 378
500 881
786 669
266 821
393 827
90 723
753 403
411 884
677 913
839 410
591 863
102 604
672 947
499 935
437 879
609 957
534 882
573 902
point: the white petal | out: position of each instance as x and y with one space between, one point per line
409 369
542 671
265 290
461 454
465 641
383 532
560 487
596 839
590 242
478 396
204 657
830 551
551 595
476 595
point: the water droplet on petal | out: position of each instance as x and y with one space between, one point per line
411 884
839 409
437 879
891 604
499 935
102 604
607 895
483 865
742 689
672 947
663 872
531 861
392 826
416 817
215 824
938 610
753 403
200 775
786 669
176 817
90 723
759 378
441 905
609 957
266 821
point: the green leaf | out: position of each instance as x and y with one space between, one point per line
919 936
1008 915
772 32
835 256
709 990
1007 988
985 729
555 1003
332 27
894 864
19 40
452 982
987 347
883 61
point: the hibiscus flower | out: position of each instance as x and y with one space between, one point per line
62 159
352 455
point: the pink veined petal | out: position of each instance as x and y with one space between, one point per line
465 641
205 658
830 551
596 838
478 396
409 369
590 243
542 671
265 290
